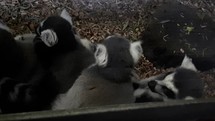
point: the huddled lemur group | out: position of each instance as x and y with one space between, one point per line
57 69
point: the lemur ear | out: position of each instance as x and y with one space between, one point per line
136 50
64 14
41 23
49 37
188 64
101 55
38 28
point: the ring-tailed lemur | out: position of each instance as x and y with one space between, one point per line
108 81
182 83
61 50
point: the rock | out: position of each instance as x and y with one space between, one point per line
174 30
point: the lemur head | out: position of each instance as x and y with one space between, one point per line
116 57
182 83
57 32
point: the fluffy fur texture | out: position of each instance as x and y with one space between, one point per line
106 82
182 83
23 81
11 55
61 51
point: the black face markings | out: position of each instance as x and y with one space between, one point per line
119 62
178 84
169 93
118 52
164 90
152 84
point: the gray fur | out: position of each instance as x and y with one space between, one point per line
90 89
184 82
62 51
106 84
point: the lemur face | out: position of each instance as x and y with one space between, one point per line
183 83
108 80
116 57
165 87
119 52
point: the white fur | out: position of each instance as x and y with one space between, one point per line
146 80
19 38
41 23
4 27
115 35
25 37
49 37
86 43
189 98
64 14
188 64
136 51
134 77
57 104
155 95
139 92
101 55
147 92
168 82
110 36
